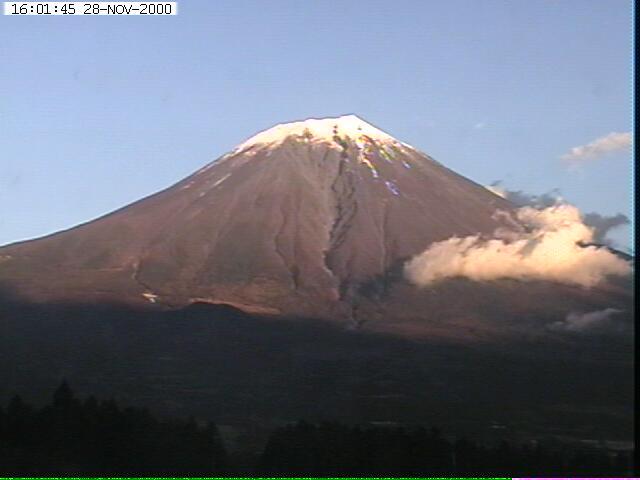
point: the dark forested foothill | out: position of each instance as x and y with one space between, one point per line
70 436
74 437
337 450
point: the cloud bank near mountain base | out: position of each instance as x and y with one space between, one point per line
602 224
543 244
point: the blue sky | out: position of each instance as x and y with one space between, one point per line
97 112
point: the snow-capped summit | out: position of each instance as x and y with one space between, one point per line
321 130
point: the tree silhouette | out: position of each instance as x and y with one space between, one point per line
70 437
100 438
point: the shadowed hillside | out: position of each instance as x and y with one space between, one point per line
70 436
248 371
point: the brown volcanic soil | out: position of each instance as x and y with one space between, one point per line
301 228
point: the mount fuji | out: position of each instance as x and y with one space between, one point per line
316 218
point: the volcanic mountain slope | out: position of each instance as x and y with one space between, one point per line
311 218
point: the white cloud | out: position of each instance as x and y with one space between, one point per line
542 244
597 321
602 224
599 147
479 125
